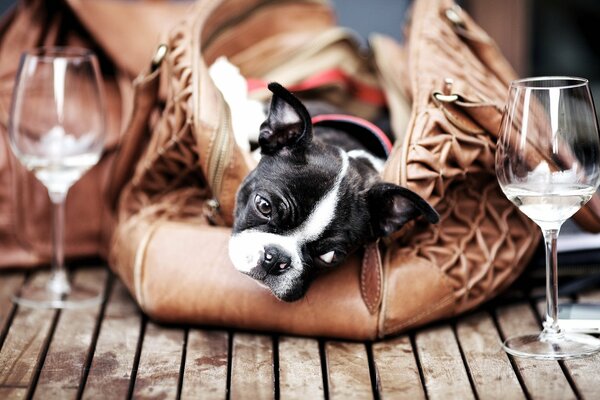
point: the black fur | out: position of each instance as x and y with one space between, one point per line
295 172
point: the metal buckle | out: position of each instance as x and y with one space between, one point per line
453 15
447 96
159 56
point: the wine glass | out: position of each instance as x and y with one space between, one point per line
548 165
56 130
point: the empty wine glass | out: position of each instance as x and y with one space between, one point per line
548 165
56 130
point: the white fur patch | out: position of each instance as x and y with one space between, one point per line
376 162
246 114
247 247
327 257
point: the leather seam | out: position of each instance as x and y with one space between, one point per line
372 304
139 265
448 299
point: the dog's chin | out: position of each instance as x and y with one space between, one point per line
286 292
288 295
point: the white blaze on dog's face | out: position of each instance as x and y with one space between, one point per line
308 204
284 250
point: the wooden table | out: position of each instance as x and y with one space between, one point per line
113 351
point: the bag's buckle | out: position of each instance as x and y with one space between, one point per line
212 213
453 14
159 56
447 96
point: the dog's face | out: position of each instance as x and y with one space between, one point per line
307 205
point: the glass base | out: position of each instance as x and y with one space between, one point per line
41 296
543 346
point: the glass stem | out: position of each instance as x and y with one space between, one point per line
58 282
551 327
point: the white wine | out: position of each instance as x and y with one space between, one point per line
59 175
551 203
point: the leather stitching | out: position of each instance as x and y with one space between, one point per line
372 300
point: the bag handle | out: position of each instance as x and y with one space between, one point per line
146 87
479 42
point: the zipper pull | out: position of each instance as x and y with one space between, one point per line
212 212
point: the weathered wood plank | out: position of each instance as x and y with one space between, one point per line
13 393
160 362
10 283
489 366
542 379
24 345
300 374
397 369
444 372
65 361
115 348
584 371
252 375
348 370
206 365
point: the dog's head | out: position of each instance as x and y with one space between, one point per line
307 205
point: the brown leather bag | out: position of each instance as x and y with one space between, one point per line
451 80
124 35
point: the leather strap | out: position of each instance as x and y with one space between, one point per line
369 134
146 88
371 277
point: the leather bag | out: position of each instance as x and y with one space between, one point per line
444 90
124 35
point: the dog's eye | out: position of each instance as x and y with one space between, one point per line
328 258
262 205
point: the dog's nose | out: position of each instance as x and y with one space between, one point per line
275 260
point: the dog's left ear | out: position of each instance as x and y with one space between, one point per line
391 206
288 125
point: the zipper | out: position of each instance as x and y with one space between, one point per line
217 163
220 153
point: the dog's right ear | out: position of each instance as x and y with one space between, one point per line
288 125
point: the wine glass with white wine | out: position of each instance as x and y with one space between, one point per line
57 131
548 165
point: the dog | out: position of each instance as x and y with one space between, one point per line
315 197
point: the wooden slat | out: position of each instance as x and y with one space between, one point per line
489 366
584 371
115 348
23 346
443 369
160 362
206 365
542 379
300 373
12 393
397 369
252 374
69 349
10 283
348 370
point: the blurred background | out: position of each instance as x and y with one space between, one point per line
539 37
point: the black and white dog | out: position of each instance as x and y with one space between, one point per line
315 197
